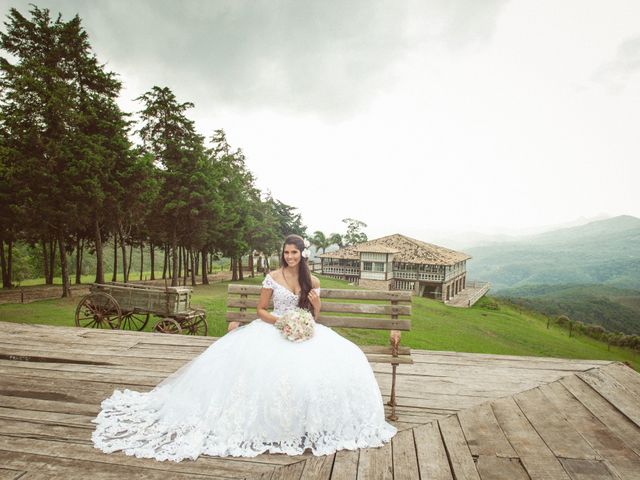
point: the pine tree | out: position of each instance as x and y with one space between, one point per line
60 115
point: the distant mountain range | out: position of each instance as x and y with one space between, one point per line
601 252
589 272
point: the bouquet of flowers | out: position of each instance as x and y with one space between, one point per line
296 325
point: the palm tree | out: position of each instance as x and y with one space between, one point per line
320 240
336 239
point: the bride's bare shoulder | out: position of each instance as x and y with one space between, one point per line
315 283
276 274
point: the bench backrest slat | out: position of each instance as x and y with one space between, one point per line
333 293
252 303
390 313
332 321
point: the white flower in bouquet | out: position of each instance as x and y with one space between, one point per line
296 325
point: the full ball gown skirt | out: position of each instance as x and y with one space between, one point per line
253 392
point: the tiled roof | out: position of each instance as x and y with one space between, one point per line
408 250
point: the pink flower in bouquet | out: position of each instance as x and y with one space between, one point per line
296 325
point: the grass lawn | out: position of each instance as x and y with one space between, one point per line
491 326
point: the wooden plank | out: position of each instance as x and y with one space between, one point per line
289 472
55 418
485 370
458 452
42 368
514 365
581 469
97 335
40 347
348 294
501 468
432 402
332 321
318 468
401 359
365 322
235 289
44 431
376 463
136 377
484 435
245 302
553 427
604 440
70 388
68 342
345 465
405 461
538 460
445 356
454 386
11 474
384 349
85 356
215 466
600 408
67 391
44 405
431 454
362 308
50 468
624 375
615 392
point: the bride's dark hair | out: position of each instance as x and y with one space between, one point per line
304 276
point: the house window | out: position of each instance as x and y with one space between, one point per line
366 266
378 267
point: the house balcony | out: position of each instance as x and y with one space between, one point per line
339 270
415 275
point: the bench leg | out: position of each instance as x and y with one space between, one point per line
392 400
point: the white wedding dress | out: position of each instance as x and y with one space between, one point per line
253 392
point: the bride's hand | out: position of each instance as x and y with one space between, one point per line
314 298
232 326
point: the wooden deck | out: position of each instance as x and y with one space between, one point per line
462 416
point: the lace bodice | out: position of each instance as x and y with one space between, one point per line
283 298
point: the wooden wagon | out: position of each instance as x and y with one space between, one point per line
128 306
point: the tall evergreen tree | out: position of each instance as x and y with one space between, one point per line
54 96
179 152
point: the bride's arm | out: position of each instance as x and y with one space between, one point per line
263 305
314 297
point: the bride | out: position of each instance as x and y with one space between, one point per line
253 391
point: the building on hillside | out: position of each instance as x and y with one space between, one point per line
397 262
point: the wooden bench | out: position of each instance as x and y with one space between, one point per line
347 309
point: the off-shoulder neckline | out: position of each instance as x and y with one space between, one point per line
286 288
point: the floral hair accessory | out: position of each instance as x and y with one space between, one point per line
305 252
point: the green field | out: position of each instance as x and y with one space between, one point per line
491 326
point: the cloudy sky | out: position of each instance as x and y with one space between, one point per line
425 117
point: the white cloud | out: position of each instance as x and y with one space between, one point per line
412 116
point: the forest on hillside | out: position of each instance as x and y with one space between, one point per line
616 310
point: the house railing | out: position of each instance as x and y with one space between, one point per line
337 270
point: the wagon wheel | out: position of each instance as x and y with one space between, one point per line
98 310
198 325
134 321
167 325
